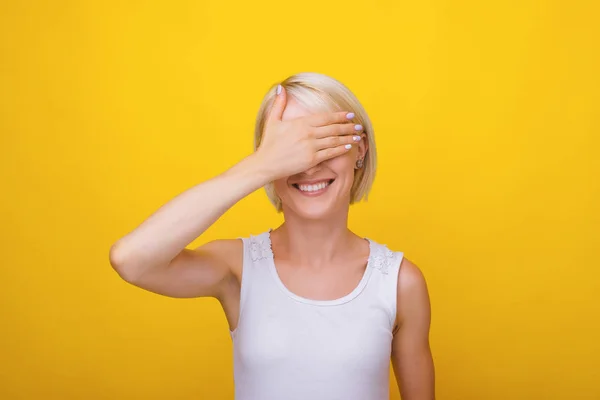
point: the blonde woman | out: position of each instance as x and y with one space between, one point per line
315 310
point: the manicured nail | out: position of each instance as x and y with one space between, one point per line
278 89
358 127
348 146
356 138
350 115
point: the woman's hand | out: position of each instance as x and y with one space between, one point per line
290 147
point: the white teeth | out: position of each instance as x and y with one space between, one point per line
313 188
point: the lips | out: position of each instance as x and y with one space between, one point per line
313 187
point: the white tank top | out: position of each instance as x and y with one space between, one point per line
287 347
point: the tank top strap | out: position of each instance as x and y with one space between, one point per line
257 252
384 282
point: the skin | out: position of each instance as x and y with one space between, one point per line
313 248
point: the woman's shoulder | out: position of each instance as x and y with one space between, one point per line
411 286
233 250
229 251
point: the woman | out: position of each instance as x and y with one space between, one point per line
315 311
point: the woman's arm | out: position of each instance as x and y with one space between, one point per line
411 354
154 255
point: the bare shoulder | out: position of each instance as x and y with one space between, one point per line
412 294
228 251
410 276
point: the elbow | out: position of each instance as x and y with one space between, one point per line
122 264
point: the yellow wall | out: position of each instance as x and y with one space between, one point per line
487 122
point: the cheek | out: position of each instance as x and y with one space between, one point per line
280 187
343 166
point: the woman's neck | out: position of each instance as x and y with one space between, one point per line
314 243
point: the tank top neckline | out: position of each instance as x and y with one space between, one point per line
334 302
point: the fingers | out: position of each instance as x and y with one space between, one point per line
278 106
338 130
335 141
327 118
332 152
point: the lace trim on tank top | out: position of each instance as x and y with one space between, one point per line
383 259
260 248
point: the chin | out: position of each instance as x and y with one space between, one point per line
311 211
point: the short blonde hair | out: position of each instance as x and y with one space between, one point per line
318 93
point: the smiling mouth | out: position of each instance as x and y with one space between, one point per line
317 187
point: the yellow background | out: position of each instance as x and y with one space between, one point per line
486 117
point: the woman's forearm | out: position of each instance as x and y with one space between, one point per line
163 235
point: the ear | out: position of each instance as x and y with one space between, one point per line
363 147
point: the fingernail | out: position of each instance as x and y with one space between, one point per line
350 115
348 146
278 89
356 138
358 127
